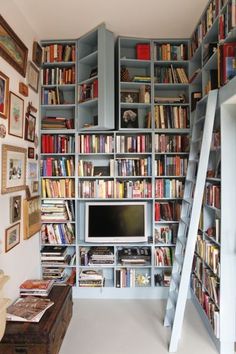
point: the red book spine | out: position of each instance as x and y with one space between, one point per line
157 212
95 88
43 144
49 166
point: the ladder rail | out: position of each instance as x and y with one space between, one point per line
194 217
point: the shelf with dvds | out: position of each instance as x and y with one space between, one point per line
96 80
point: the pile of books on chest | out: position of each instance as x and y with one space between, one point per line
36 287
91 278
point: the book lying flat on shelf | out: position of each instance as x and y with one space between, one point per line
36 287
28 309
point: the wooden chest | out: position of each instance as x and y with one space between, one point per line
46 336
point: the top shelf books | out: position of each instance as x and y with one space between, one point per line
59 53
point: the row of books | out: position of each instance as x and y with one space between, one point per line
169 51
63 188
57 123
162 278
170 75
166 234
58 76
63 166
128 278
88 91
210 308
213 232
119 189
57 255
227 20
97 255
134 143
53 96
58 233
54 53
215 140
57 210
133 166
169 188
171 166
59 144
171 143
87 168
95 143
210 253
164 256
212 285
212 195
168 211
167 117
210 15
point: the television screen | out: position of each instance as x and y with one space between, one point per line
115 222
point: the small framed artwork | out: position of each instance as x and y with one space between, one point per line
37 54
35 186
129 96
32 216
16 114
33 76
30 153
4 95
32 170
12 49
30 123
12 236
13 168
23 89
129 118
15 208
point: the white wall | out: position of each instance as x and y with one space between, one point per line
22 261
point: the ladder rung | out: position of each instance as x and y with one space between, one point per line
188 200
179 259
200 119
181 239
185 220
176 279
193 160
190 180
169 318
173 297
195 141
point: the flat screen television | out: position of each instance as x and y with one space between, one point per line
115 222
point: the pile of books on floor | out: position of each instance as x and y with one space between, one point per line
57 255
36 287
28 309
91 278
101 255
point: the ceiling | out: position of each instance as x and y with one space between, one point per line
65 19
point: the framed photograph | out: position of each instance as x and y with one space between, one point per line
12 49
129 118
13 168
15 208
129 96
32 216
12 236
30 153
4 95
35 186
32 170
33 76
37 54
30 123
16 115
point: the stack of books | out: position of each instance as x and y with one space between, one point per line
101 255
90 278
56 255
36 287
28 309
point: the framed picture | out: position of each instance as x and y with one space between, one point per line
13 168
4 95
33 76
129 118
30 153
32 218
15 208
16 114
30 123
37 54
129 96
32 170
35 186
12 49
12 236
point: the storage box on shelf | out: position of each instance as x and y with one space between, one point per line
96 79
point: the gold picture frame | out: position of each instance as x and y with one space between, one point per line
13 168
32 216
12 236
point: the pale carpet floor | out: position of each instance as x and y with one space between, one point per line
131 327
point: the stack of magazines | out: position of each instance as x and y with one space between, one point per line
36 287
91 278
28 309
